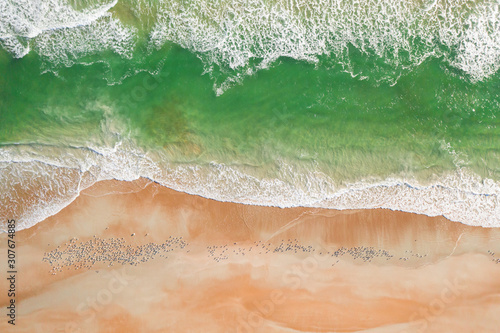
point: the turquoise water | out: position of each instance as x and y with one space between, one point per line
351 106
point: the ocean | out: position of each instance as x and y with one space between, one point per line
336 104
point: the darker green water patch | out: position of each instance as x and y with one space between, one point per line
166 123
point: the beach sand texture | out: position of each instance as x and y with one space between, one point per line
138 257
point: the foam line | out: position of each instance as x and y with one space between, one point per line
230 34
61 175
240 37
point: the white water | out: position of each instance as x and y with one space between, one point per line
57 31
242 36
38 181
401 34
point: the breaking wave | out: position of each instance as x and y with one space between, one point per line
39 180
61 33
235 38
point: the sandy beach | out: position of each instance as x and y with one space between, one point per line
138 257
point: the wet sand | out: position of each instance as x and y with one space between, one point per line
137 257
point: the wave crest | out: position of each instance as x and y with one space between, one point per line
397 35
234 38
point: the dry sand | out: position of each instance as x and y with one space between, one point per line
137 257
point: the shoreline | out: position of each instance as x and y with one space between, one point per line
455 204
148 258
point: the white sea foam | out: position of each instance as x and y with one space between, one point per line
402 34
58 31
38 181
65 46
478 52
242 36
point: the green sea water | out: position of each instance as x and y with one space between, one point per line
348 117
352 128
